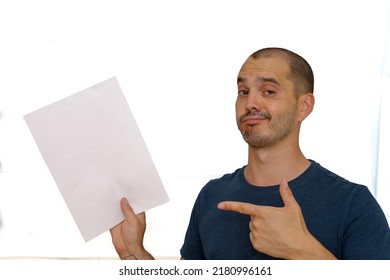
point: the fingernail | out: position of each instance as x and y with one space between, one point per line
124 200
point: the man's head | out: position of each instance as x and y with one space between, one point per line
301 73
275 94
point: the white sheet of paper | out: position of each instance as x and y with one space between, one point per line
96 155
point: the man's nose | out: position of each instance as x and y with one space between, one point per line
253 101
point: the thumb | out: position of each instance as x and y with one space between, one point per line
286 193
128 211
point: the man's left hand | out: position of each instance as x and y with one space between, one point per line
280 232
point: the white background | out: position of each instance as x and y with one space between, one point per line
177 63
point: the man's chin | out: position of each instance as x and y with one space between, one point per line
257 141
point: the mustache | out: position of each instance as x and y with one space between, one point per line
252 113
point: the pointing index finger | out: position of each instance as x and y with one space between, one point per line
239 207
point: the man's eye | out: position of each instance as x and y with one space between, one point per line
269 92
243 92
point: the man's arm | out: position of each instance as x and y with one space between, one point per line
280 232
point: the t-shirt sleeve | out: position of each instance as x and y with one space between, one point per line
367 233
192 247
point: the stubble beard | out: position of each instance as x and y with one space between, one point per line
279 127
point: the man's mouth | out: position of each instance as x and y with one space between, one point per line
254 118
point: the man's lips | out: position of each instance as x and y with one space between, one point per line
252 120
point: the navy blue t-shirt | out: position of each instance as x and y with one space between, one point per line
343 216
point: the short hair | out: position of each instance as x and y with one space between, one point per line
301 73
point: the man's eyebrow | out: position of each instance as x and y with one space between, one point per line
241 80
259 80
267 79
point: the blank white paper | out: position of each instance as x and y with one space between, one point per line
96 155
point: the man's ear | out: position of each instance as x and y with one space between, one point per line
306 105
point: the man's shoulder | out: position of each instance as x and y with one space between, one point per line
226 178
224 182
333 186
321 173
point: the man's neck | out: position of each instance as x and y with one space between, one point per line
266 167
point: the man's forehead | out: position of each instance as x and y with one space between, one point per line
265 63
269 69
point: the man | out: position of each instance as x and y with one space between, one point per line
280 205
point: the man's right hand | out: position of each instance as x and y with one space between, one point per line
128 236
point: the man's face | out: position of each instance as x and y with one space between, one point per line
266 106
